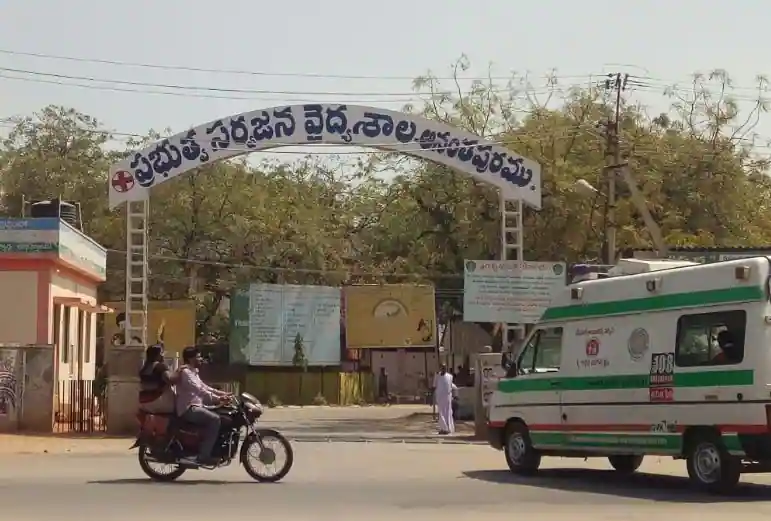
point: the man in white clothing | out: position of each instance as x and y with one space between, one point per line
443 397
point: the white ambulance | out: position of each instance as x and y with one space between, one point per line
666 362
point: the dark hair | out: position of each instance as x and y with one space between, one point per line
189 353
153 353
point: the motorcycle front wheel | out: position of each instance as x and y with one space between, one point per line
164 472
262 450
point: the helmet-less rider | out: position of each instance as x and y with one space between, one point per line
192 398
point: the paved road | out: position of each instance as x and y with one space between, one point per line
369 481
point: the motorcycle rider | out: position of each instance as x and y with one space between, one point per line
192 397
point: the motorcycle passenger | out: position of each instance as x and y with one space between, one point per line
156 394
192 397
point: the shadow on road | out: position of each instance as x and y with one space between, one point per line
652 487
181 482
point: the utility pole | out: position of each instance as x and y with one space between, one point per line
618 83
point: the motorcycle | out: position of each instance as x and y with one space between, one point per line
166 439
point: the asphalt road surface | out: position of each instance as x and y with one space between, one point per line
367 481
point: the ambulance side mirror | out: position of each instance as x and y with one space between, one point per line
512 371
509 364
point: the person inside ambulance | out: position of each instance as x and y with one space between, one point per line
730 350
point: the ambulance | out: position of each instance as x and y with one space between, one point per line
653 360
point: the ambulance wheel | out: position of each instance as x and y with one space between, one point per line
626 463
521 457
710 467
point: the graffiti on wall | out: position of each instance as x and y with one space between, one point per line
10 366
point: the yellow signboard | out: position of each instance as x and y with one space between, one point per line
391 315
172 322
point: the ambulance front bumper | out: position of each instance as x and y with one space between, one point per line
495 435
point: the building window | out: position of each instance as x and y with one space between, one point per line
543 352
65 347
708 339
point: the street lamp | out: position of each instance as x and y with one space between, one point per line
586 189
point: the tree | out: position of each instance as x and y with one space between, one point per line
693 163
312 221
300 361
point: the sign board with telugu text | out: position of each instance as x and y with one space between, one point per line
486 161
511 292
266 319
51 235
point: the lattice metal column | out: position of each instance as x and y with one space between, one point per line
137 283
512 248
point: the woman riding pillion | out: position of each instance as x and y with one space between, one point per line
156 394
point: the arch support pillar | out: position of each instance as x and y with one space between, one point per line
137 271
512 248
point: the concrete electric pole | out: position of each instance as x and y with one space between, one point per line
618 83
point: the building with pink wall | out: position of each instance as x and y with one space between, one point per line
49 273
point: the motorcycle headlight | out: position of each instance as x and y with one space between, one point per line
253 411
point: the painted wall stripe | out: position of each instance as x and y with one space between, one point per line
648 442
657 303
628 381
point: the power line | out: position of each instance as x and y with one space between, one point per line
188 91
404 98
182 87
201 95
249 72
664 82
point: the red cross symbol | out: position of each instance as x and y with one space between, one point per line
593 347
122 181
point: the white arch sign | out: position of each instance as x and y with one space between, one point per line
517 177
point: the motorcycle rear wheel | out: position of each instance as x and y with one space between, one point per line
145 465
249 443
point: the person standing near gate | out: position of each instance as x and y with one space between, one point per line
443 397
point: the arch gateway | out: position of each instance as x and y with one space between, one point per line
517 178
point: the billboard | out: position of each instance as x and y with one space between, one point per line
510 292
390 315
169 321
265 319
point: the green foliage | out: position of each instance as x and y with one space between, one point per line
319 399
298 358
321 221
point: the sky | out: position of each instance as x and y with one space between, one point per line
292 47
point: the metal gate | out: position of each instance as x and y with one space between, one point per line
80 407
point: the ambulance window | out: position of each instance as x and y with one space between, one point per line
526 362
543 352
707 339
549 350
